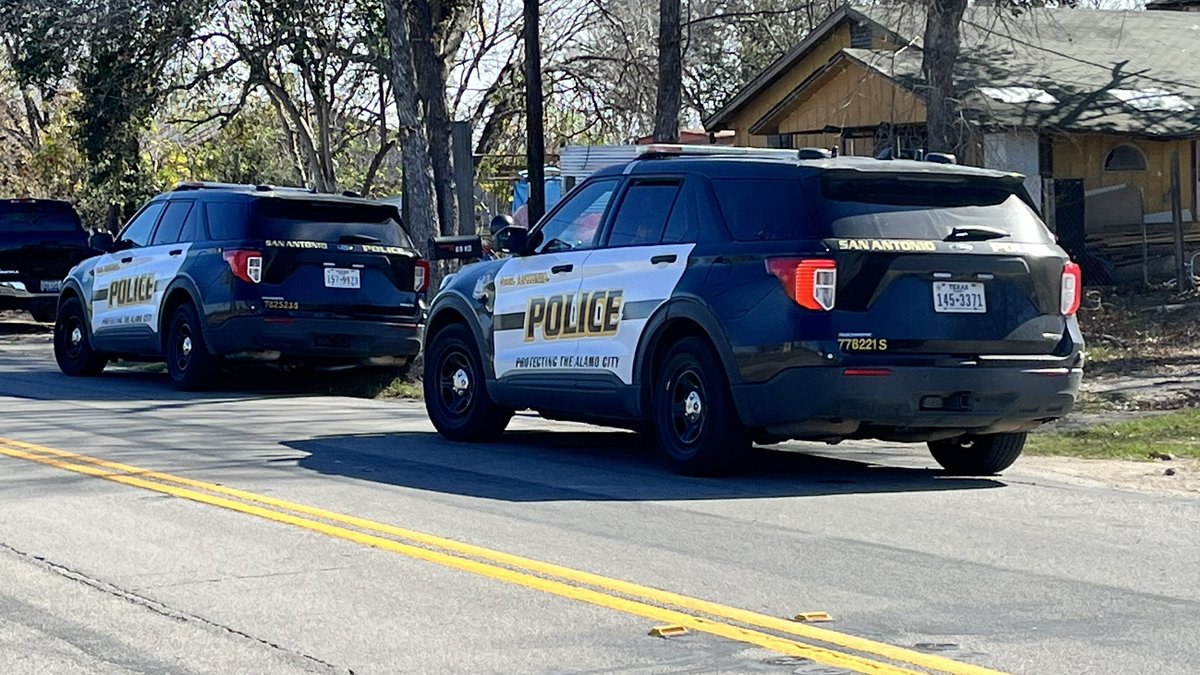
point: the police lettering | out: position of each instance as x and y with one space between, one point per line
595 314
131 291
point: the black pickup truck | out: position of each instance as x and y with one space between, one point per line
40 241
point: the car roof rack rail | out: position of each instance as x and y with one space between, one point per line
212 185
662 150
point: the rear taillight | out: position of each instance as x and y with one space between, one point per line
811 282
245 265
1072 289
421 276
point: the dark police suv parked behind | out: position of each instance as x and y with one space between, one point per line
213 271
40 241
724 296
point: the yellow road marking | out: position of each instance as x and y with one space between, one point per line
80 464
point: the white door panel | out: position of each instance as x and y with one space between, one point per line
638 278
536 312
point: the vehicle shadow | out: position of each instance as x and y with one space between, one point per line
9 325
533 466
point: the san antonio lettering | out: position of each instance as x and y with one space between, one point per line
594 314
885 245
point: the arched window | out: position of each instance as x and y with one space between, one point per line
1125 157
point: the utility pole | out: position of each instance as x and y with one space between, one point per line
1182 281
535 139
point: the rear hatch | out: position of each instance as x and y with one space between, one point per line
939 263
40 241
330 258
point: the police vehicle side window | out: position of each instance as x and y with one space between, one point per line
226 220
171 225
642 216
139 230
576 223
684 224
763 209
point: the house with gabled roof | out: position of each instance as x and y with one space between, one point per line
1096 102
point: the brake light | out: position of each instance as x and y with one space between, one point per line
811 282
245 265
421 276
1072 289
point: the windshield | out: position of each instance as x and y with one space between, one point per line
898 206
18 216
351 223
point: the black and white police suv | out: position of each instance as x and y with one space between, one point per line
40 241
722 297
212 272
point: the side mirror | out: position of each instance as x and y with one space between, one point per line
499 223
512 239
466 247
102 242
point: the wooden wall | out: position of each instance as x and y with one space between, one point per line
851 96
1082 156
757 107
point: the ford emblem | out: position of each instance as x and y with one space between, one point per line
345 247
962 247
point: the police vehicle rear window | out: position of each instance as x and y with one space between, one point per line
302 220
900 206
20 216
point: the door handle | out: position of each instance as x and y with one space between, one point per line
668 258
126 260
177 251
561 269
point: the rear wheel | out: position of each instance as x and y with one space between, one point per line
189 362
455 394
73 342
694 419
978 455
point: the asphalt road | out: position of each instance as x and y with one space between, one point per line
270 542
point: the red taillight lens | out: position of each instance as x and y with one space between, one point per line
811 282
245 265
421 276
1072 289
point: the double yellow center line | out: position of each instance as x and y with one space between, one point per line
843 651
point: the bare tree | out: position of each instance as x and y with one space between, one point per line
419 196
942 21
670 72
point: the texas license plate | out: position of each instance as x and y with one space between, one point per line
959 297
51 285
341 277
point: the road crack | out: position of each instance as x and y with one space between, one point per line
164 609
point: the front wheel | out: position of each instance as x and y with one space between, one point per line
694 418
978 455
456 397
189 363
73 342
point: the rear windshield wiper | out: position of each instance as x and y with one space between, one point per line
358 239
975 233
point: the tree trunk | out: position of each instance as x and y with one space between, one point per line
432 69
419 199
940 54
670 73
535 136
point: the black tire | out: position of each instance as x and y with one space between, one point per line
73 342
456 395
189 363
695 422
44 312
978 455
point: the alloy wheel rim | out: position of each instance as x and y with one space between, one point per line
688 408
456 383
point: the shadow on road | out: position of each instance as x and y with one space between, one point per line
597 466
10 325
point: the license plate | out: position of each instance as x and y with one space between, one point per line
54 285
959 297
340 277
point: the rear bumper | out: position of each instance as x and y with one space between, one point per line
16 295
826 401
309 338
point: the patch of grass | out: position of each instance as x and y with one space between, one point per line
1176 433
402 388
